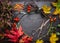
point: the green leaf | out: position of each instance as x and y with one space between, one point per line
53 28
58 4
58 33
58 25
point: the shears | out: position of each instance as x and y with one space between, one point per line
40 28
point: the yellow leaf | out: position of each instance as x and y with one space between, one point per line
46 9
53 38
39 41
56 12
54 4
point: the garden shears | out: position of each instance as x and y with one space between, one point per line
40 28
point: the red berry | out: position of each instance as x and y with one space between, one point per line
55 19
51 20
16 19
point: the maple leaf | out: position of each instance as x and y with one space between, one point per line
14 34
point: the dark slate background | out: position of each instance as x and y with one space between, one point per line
32 21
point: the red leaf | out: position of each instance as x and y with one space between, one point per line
20 31
27 39
14 34
14 25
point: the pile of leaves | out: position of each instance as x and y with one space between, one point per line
5 14
8 24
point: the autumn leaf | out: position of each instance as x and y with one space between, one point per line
46 9
14 34
39 41
57 10
53 38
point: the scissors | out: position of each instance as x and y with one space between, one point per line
40 28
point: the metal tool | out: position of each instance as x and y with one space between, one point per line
40 28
